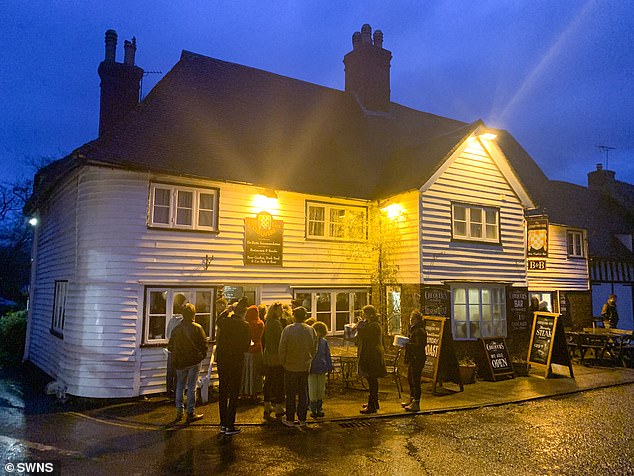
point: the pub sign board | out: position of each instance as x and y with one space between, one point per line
263 240
537 239
436 301
548 343
496 354
517 310
441 364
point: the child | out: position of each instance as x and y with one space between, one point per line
321 365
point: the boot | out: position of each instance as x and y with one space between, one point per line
280 411
313 409
370 407
407 403
413 407
267 410
320 411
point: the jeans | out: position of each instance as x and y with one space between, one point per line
316 387
189 375
230 378
414 372
296 385
170 379
274 384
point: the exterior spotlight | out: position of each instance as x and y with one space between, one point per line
33 221
487 135
393 211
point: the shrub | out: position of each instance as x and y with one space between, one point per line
12 335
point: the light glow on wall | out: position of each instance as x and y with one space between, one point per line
262 203
393 211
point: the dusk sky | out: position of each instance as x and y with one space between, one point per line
558 75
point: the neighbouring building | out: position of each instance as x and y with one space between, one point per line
229 180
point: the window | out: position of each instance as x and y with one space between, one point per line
478 311
184 208
335 222
162 305
393 309
575 244
471 222
335 308
59 308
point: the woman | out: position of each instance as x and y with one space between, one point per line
415 359
273 370
252 373
371 361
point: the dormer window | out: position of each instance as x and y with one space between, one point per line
184 208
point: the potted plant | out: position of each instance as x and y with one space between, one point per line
467 368
520 365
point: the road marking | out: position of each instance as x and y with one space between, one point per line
7 440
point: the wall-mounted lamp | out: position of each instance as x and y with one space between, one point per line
487 135
33 221
393 211
269 193
266 200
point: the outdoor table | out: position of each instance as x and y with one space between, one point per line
346 361
603 342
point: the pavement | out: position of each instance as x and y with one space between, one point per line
342 403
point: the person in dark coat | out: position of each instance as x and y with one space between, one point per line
415 358
233 340
609 314
371 355
188 345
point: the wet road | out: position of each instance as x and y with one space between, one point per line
591 433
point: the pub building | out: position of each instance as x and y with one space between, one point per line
229 180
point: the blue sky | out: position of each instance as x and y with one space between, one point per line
558 75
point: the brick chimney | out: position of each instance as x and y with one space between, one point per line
368 70
601 180
120 83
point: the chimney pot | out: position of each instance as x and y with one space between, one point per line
356 40
378 39
366 35
130 51
599 166
111 45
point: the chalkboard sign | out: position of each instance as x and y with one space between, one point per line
436 301
496 354
548 343
441 364
517 310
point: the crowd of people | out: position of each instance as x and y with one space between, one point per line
282 354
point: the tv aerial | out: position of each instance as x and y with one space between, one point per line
606 149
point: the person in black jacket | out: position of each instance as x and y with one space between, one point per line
371 355
415 358
609 313
233 340
188 345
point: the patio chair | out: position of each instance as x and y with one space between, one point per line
391 364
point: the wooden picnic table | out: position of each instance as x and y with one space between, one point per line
612 345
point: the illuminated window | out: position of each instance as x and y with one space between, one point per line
163 311
575 244
475 223
335 222
183 208
335 308
59 308
478 311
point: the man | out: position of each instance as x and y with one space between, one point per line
176 319
233 340
415 359
609 314
297 348
188 344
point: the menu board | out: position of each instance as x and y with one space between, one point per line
497 357
517 303
441 364
436 301
548 343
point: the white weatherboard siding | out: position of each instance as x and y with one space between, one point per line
117 256
472 178
562 272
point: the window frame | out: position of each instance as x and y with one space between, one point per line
580 235
170 292
502 322
328 223
333 292
175 191
468 223
58 316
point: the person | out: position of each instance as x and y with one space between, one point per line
609 313
233 340
543 306
320 366
296 351
415 359
176 319
252 369
371 355
188 344
287 315
534 307
273 370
